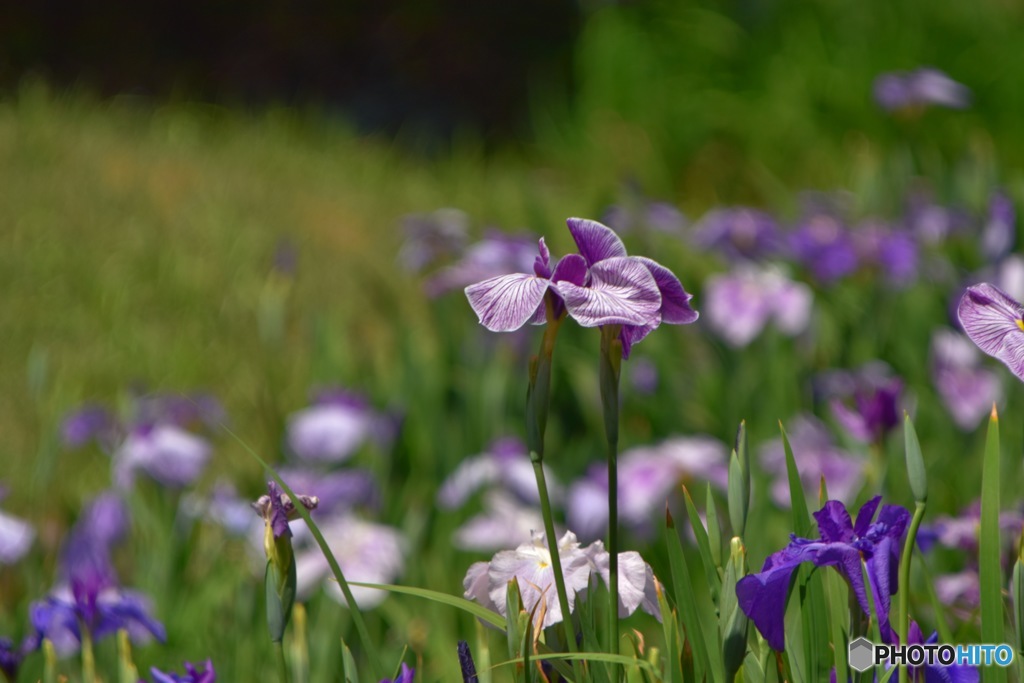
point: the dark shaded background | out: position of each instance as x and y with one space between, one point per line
434 65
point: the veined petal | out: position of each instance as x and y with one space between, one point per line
675 301
596 241
834 523
507 302
571 268
622 292
993 321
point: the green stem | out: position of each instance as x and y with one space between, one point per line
611 363
904 582
88 659
537 406
282 665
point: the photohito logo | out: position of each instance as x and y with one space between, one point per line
863 654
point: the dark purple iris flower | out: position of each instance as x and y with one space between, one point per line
507 302
632 291
87 424
740 233
844 545
866 402
406 675
11 657
891 251
191 675
824 246
994 322
277 509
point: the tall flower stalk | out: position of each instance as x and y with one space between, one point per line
611 364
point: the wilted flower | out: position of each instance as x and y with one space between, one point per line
994 322
966 388
530 564
816 456
647 478
848 547
740 233
739 304
632 291
191 675
919 88
866 402
466 663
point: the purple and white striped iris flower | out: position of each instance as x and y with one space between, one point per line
601 285
995 322
169 454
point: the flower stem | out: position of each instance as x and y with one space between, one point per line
537 406
611 363
904 582
88 659
282 665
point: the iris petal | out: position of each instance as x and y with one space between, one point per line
992 320
507 302
622 291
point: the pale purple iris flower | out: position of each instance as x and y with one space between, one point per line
816 456
432 237
961 532
920 88
333 428
89 423
167 453
16 536
366 551
505 521
530 564
740 234
995 323
931 223
823 244
866 402
1000 229
739 304
648 476
192 674
497 254
966 387
632 291
505 464
849 547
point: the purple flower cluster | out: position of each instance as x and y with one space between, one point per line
191 675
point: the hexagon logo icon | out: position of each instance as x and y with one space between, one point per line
860 655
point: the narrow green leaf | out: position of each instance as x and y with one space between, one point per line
752 672
587 612
513 610
1017 594
732 620
714 534
839 622
349 673
939 608
479 611
798 502
737 504
703 547
743 454
682 588
915 461
673 641
990 572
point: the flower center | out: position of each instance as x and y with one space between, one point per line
1020 324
